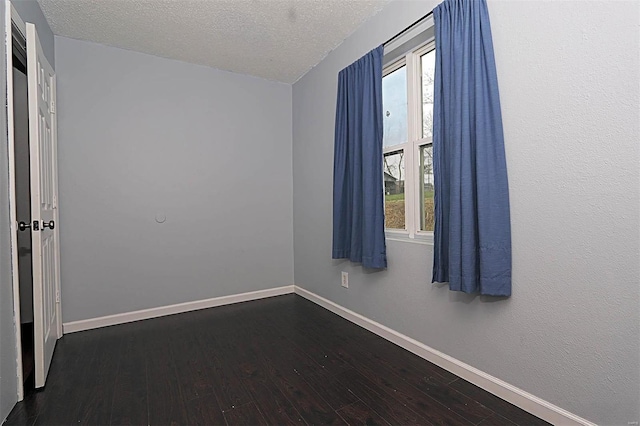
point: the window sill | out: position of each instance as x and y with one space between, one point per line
404 237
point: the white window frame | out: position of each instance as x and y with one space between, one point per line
411 147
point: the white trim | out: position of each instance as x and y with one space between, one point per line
11 16
394 66
516 396
414 132
394 149
88 324
427 47
423 239
408 35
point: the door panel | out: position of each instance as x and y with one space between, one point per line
44 212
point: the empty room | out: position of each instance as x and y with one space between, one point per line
218 212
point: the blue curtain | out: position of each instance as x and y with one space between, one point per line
358 206
472 237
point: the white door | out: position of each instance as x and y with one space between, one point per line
44 210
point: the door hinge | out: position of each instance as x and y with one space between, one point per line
57 296
52 106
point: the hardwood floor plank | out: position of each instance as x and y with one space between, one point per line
192 370
452 399
359 413
19 418
247 414
404 392
275 407
381 349
27 411
164 393
499 406
388 374
98 388
330 389
286 355
129 406
388 407
405 359
496 420
222 355
311 342
312 408
63 391
204 411
286 365
282 360
250 367
382 367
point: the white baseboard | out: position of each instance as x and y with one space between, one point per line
71 327
516 396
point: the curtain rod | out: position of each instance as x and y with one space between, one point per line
409 28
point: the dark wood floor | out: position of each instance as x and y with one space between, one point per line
281 360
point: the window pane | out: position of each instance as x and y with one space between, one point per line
394 189
428 65
426 189
394 105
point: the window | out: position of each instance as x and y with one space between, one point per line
407 101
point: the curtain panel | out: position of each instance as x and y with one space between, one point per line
472 237
358 204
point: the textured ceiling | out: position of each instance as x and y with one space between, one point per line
275 39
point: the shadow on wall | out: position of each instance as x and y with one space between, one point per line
460 297
454 296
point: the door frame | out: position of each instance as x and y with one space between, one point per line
13 18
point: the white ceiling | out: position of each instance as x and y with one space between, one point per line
275 39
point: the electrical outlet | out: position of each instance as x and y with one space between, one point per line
345 279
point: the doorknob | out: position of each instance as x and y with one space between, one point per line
49 225
23 226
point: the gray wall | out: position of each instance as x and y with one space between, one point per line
139 136
29 11
568 75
